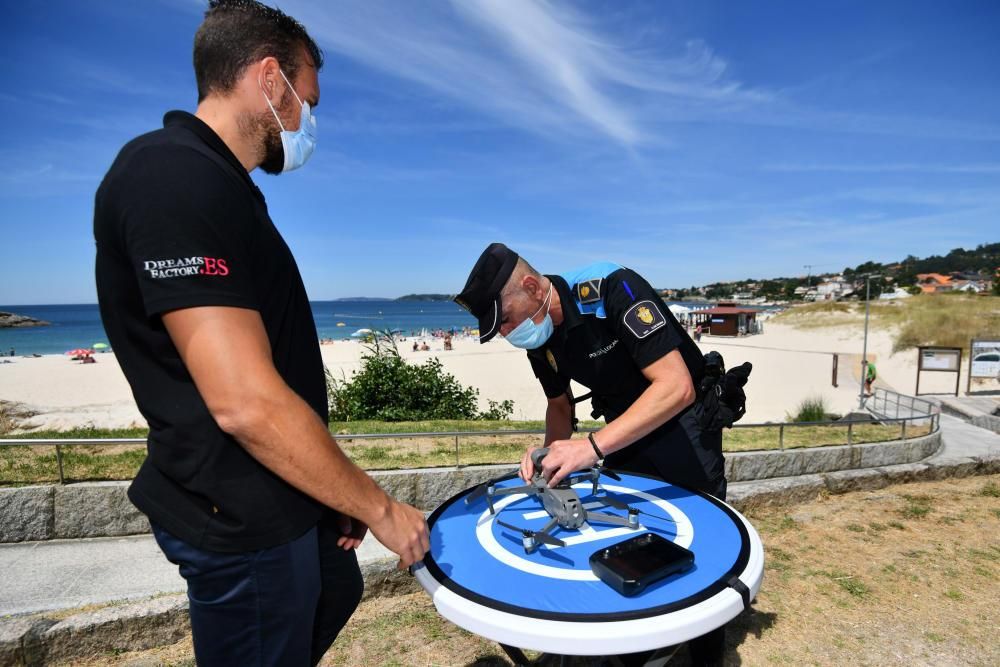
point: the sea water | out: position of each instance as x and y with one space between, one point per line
79 325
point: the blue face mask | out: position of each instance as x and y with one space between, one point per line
530 336
301 143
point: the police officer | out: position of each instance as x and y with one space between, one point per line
605 327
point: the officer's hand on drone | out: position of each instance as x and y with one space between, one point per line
566 457
527 466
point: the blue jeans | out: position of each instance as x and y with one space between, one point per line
279 606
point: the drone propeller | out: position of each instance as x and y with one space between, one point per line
531 535
618 504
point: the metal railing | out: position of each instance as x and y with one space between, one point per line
887 404
923 413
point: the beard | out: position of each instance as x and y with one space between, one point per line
265 130
272 153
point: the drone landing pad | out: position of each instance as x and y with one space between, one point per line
482 579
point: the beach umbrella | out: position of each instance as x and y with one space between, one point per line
79 352
100 346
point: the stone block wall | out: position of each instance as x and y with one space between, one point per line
102 509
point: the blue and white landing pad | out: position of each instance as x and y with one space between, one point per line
481 579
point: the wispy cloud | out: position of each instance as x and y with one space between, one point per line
540 66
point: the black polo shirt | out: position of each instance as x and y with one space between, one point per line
607 355
179 224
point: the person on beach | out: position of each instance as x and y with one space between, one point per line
605 327
244 487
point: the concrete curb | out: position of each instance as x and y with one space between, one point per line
164 620
102 509
970 413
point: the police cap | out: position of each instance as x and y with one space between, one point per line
481 294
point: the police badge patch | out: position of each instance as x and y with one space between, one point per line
552 360
643 318
589 291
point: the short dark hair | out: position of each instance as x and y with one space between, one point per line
236 33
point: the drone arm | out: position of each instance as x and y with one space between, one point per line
601 517
528 488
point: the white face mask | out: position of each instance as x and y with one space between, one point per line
530 336
299 145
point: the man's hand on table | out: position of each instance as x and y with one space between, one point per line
403 530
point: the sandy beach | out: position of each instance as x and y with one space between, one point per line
789 365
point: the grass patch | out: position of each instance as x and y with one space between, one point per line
990 490
954 594
916 507
810 410
849 583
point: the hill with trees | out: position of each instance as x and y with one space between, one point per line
980 265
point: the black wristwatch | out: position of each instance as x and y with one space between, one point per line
597 450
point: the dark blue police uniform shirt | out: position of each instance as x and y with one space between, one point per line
614 325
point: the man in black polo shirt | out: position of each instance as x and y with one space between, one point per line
606 328
202 301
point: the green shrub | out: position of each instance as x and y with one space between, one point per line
810 410
386 388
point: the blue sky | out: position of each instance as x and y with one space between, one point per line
692 141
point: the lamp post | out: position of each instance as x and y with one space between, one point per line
864 349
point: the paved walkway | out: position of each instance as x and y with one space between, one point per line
62 574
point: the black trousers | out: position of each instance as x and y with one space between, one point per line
683 454
279 606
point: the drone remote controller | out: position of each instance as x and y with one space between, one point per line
631 566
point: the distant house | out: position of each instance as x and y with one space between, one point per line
831 289
932 283
971 286
897 293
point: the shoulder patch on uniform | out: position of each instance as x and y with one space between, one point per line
552 360
643 318
589 291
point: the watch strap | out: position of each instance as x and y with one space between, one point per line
597 450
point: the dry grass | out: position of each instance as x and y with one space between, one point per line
947 320
904 575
